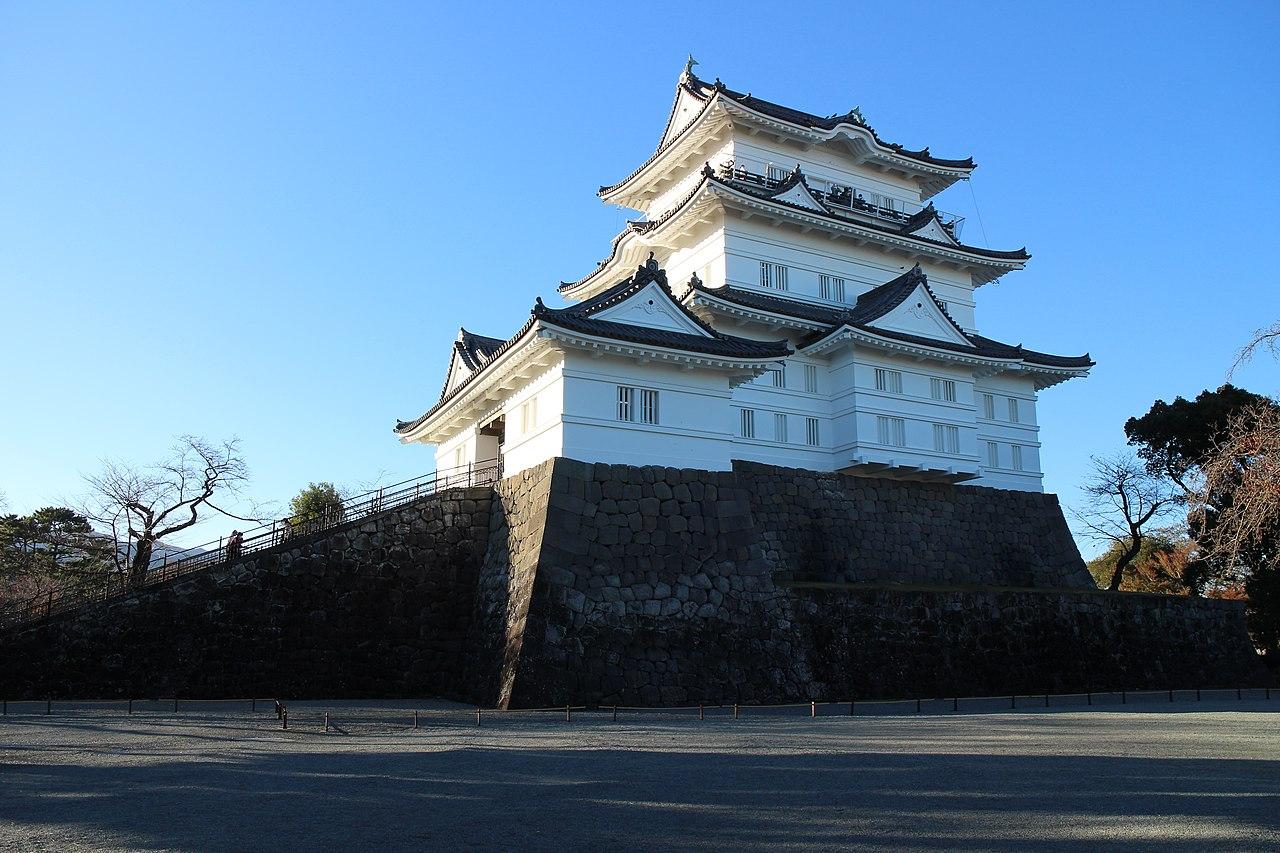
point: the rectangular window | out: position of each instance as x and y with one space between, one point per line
648 406
889 380
637 405
1014 417
811 436
891 431
457 458
811 378
780 427
528 415
1017 456
747 429
830 287
773 275
943 389
989 407
625 403
993 455
778 377
946 439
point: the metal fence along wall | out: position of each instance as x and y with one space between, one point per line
219 552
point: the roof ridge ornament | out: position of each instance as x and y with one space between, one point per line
652 264
688 66
694 281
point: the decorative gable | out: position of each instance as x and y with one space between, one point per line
651 306
919 314
458 372
933 230
800 196
683 112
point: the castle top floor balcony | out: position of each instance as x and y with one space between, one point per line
842 198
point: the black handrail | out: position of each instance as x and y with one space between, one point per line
217 552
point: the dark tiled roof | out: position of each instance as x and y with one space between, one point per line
704 91
579 318
475 350
879 301
804 119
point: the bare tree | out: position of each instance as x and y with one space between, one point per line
1245 465
1123 499
1263 339
139 507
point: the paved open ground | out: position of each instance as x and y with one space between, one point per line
1181 776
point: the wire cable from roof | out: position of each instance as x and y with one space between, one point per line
986 244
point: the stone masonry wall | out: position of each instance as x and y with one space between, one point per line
867 530
574 583
664 586
374 608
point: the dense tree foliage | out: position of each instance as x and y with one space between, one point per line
1158 566
1222 449
50 547
317 503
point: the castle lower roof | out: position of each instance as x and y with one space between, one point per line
875 304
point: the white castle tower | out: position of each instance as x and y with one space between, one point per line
789 296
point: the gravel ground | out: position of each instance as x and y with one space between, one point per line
1142 776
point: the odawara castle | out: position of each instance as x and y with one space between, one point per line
764 455
788 294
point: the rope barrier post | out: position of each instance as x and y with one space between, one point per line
851 701
1124 699
1088 698
130 707
1046 700
284 720
175 704
1013 702
615 713
813 709
477 715
48 707
253 706
568 714
326 722
415 718
1268 693
735 710
1197 694
1170 695
917 706
955 704
1238 695
702 714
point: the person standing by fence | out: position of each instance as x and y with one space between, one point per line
234 542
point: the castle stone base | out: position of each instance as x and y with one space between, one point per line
573 583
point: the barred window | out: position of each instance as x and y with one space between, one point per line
625 407
889 381
1016 450
637 405
891 431
830 287
993 455
748 426
1014 414
780 427
946 438
648 406
989 407
811 378
773 275
811 436
943 389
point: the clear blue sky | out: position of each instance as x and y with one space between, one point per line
268 220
